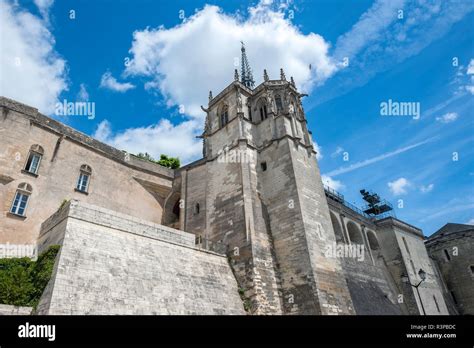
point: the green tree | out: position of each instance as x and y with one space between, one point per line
165 161
170 162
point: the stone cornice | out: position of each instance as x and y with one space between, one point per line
39 120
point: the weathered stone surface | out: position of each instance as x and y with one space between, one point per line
452 249
117 180
255 195
110 263
14 310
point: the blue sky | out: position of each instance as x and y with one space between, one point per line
149 65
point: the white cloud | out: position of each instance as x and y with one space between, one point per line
370 27
376 159
44 6
399 186
380 40
188 60
337 152
161 138
109 82
334 184
470 68
470 222
470 72
318 149
426 189
448 117
32 71
82 95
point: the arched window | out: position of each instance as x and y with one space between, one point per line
278 103
373 242
354 233
337 229
85 173
34 159
224 115
21 198
262 109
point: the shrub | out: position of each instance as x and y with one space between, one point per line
22 281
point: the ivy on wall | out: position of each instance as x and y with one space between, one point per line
22 281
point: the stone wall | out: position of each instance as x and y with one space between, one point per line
405 253
14 310
111 263
454 255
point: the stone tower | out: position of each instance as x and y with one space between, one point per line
258 190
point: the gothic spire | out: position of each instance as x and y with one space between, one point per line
236 75
293 82
265 75
246 72
282 75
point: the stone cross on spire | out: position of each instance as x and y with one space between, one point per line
246 72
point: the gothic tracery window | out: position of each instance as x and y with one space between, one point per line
224 116
279 104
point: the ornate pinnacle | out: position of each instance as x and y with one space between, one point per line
210 95
265 75
236 75
246 71
292 81
282 75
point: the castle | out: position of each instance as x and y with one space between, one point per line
249 227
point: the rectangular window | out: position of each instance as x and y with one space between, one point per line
263 165
33 162
83 182
19 204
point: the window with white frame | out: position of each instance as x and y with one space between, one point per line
20 201
84 178
34 159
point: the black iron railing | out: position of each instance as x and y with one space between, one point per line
338 197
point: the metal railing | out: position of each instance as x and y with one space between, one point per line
338 197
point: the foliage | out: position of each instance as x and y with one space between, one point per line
15 284
165 161
63 203
22 281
